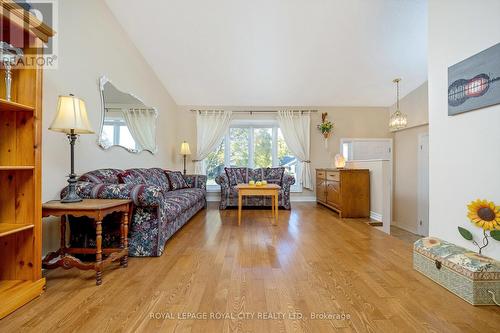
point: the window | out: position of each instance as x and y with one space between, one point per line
255 146
116 132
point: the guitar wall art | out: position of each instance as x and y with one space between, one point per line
474 83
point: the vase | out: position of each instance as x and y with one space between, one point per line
326 135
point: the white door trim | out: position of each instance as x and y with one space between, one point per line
422 188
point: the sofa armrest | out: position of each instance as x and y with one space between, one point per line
223 181
196 181
287 181
142 195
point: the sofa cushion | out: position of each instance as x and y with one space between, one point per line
152 176
101 176
176 180
237 175
176 202
256 174
274 175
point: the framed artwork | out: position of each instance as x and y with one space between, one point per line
474 83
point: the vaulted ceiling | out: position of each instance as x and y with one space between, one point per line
280 52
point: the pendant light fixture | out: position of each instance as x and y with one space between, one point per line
398 120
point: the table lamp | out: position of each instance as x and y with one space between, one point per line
339 161
71 118
185 151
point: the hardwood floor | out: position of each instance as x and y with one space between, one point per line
404 235
312 263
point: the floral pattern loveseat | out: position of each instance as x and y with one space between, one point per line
163 202
233 176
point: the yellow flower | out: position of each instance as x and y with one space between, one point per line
484 214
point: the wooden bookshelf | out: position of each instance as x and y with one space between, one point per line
20 167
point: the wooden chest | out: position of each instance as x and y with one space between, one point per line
346 191
471 276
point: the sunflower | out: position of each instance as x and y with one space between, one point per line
484 214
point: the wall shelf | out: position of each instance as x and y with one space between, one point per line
13 106
11 228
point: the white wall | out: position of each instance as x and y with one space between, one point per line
380 189
405 198
464 149
91 43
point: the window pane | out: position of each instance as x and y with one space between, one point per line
285 156
108 135
238 147
263 147
126 139
215 164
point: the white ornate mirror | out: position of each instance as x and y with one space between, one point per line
126 121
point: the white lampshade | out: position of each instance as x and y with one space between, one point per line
339 161
185 148
71 116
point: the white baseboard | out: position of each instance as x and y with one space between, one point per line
300 198
376 216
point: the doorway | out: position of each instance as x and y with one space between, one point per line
423 185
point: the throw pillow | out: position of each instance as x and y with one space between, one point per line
236 175
176 180
131 177
274 175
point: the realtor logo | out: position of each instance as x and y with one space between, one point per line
36 48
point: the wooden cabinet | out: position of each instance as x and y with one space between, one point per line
346 191
20 164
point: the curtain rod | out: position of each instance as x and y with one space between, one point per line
256 111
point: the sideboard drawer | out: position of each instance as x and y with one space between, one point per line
321 174
333 175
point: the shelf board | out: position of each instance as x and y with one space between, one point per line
13 106
11 228
16 293
16 167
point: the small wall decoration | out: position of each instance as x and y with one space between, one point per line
485 215
326 127
474 83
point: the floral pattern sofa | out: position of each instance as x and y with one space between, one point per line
158 211
233 176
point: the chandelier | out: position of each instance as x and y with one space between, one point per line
398 120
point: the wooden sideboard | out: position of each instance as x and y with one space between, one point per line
346 191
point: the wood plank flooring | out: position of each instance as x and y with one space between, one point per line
311 273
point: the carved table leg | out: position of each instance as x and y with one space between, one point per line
63 235
124 239
98 264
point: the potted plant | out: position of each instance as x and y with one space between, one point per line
326 127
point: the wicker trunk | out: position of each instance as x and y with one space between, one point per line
473 277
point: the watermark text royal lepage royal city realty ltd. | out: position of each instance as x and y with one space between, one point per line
248 316
35 53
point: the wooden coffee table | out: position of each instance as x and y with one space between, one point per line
271 190
95 209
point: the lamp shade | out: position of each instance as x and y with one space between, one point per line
185 148
339 161
71 116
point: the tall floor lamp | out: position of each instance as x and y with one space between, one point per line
185 151
71 118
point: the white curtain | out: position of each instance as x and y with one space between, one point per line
141 123
296 129
211 126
